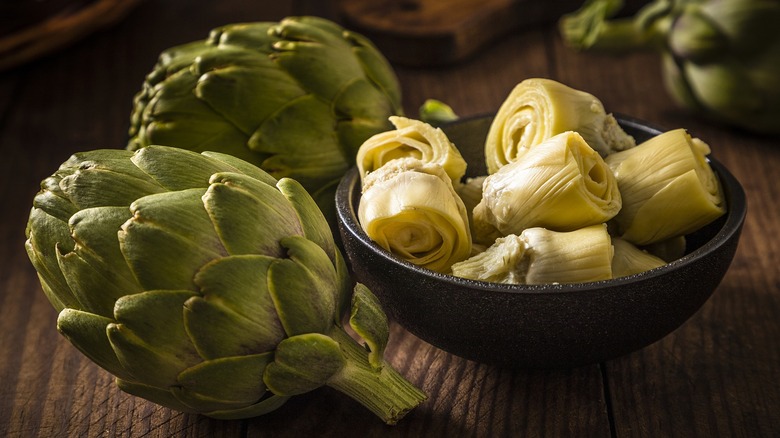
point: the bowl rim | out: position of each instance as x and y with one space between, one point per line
736 210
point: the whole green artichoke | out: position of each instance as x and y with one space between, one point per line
296 98
205 285
720 57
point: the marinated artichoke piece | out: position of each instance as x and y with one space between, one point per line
411 139
537 109
411 209
296 97
668 188
629 259
540 256
205 285
561 184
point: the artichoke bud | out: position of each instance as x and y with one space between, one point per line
537 109
629 260
411 210
668 188
204 284
561 184
539 256
411 139
296 97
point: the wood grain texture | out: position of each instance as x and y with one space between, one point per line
715 376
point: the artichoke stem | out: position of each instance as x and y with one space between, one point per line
383 391
619 35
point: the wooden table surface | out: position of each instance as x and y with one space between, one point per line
717 375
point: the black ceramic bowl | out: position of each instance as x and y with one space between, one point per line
551 325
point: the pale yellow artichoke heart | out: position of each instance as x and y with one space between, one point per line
537 109
411 139
540 256
629 259
411 209
668 188
561 184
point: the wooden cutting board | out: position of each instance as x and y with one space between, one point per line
440 32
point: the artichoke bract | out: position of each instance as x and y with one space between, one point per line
206 285
296 97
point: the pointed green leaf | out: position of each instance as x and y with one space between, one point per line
54 202
370 322
177 169
242 166
234 381
161 396
377 69
174 116
46 233
248 35
95 270
262 407
115 183
169 238
302 143
234 314
149 337
305 287
87 332
250 217
315 226
231 80
309 46
303 363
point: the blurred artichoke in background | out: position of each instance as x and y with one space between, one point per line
296 98
205 285
720 57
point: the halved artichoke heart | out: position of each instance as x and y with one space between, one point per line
540 256
537 109
411 209
205 285
561 184
411 139
668 188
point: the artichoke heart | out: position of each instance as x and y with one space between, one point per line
411 139
561 184
540 256
411 209
668 188
537 109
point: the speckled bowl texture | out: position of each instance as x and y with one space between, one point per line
551 325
